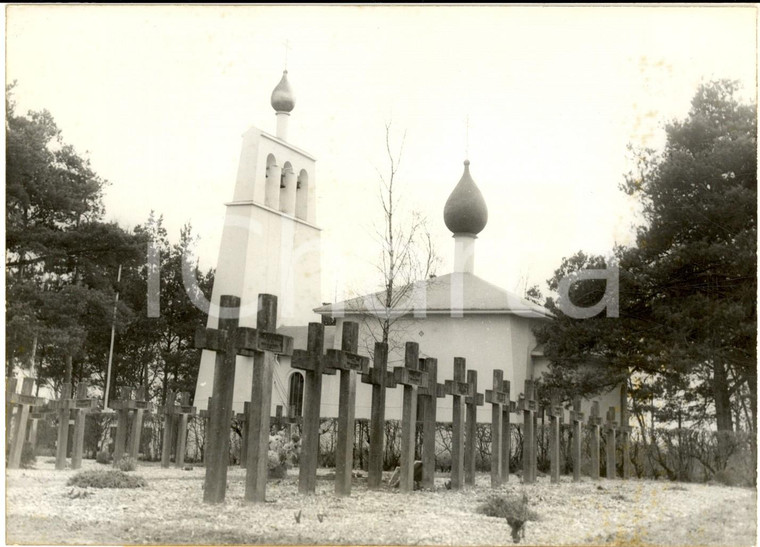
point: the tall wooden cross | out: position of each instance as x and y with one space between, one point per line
427 396
506 432
23 402
82 405
312 362
263 344
594 421
348 362
528 405
381 379
411 377
459 389
497 399
576 416
224 341
610 427
556 413
471 403
228 341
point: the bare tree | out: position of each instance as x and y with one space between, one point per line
407 257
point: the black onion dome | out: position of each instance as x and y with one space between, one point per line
465 211
282 96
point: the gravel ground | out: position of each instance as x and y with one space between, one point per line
42 509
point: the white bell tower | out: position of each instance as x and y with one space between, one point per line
270 240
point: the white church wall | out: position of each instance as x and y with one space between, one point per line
485 341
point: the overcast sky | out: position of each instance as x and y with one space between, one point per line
158 98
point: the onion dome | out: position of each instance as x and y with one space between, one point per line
465 211
282 96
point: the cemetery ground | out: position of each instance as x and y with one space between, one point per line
42 509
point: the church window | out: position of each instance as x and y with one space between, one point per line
295 395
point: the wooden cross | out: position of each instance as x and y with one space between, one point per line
411 377
228 341
427 396
185 411
610 427
264 345
496 398
459 389
349 363
576 416
63 405
312 362
82 405
528 405
556 414
380 378
23 402
594 421
471 403
142 405
169 412
625 430
130 399
37 413
205 415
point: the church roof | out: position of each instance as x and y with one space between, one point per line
477 297
300 335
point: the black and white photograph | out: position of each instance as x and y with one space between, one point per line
381 274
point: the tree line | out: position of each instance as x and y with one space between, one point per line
62 265
685 339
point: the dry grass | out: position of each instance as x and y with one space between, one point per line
169 510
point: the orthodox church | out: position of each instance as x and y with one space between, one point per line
271 244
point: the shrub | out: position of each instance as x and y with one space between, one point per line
111 478
282 452
103 457
127 463
507 507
